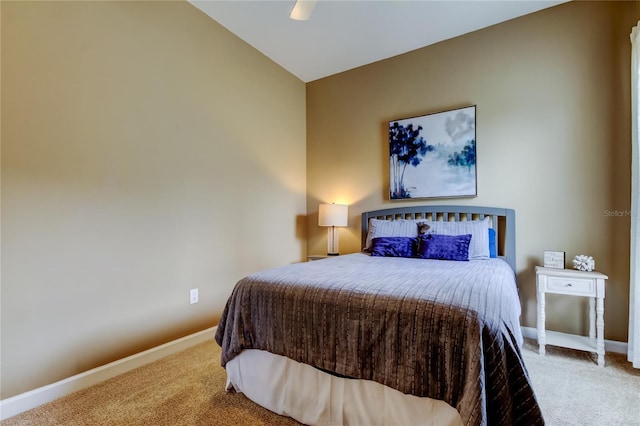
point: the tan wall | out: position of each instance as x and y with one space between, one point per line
552 91
145 151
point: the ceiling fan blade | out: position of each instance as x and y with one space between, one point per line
302 10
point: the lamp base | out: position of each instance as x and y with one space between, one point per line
332 242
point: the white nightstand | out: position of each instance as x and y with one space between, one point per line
573 283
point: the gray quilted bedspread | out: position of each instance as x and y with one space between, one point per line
442 329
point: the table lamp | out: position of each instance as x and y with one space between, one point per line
332 215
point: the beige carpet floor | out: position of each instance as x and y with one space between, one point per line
187 388
573 391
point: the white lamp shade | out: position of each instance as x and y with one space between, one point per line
333 215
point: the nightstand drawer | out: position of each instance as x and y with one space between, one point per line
577 286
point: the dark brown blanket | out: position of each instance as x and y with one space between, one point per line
442 329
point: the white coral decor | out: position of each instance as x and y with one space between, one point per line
584 263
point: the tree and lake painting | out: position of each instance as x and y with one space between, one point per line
433 155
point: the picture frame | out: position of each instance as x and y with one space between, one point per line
433 155
554 259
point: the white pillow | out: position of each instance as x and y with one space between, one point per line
479 230
391 228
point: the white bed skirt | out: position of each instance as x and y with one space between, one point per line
313 397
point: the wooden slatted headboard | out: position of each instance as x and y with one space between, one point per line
502 220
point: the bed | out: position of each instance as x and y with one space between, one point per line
386 337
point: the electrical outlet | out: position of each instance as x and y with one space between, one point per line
193 296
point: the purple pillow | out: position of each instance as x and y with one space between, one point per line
444 247
394 246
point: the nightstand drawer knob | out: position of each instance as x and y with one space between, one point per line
569 285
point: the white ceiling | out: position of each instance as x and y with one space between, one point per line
342 34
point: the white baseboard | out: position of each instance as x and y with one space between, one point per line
609 345
10 407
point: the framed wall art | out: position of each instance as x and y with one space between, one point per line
434 155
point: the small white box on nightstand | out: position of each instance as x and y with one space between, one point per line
554 259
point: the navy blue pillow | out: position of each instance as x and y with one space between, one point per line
394 246
444 247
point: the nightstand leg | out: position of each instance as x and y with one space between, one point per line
592 318
600 330
541 325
